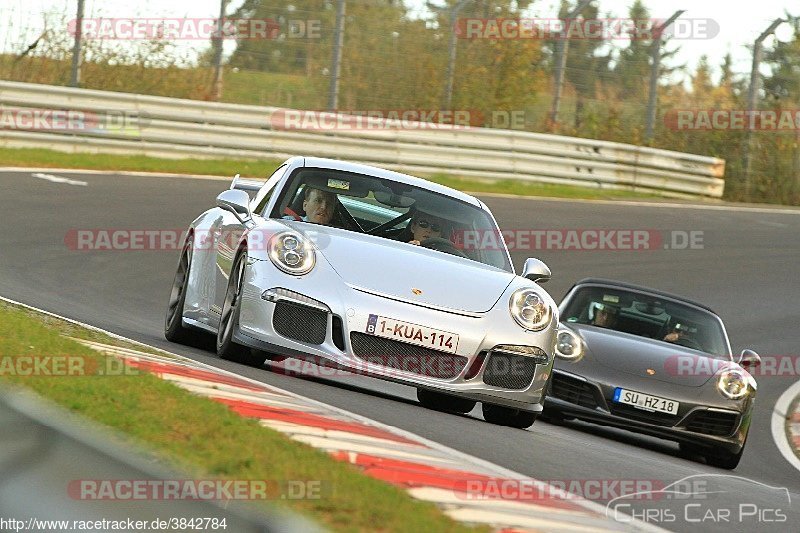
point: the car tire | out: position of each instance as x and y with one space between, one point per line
174 330
444 402
507 416
229 319
721 458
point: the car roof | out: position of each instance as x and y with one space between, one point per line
359 168
641 288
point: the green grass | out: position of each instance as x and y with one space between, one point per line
42 157
204 438
37 157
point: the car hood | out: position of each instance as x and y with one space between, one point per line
392 269
634 355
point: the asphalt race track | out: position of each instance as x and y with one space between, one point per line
747 269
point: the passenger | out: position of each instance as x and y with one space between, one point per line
678 332
424 226
605 316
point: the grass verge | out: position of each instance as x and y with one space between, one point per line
203 437
39 157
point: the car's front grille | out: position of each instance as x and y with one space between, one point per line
712 423
300 322
406 357
572 390
640 415
509 371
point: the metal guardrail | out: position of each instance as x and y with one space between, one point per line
177 128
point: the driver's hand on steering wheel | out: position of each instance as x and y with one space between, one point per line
416 242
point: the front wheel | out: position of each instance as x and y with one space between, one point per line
226 347
507 416
174 330
444 402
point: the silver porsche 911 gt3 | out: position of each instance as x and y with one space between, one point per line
359 268
654 363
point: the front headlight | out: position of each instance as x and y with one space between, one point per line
569 346
733 384
530 309
292 253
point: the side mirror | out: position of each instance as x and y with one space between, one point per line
235 201
749 359
535 270
569 346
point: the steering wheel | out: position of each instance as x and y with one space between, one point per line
442 245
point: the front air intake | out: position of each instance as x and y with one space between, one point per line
300 322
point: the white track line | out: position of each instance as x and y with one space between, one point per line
59 179
779 414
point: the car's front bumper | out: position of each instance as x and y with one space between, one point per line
478 334
679 429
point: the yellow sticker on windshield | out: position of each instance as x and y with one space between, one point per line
611 298
339 184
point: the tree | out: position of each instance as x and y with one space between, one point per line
783 83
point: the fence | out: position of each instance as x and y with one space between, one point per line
175 128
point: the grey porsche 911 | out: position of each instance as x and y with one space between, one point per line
654 363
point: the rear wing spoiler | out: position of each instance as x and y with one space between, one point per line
247 185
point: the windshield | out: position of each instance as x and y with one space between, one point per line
647 316
388 209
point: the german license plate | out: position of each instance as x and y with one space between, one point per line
398 330
646 401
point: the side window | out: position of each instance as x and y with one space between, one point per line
262 198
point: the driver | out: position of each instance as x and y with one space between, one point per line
318 205
679 331
424 226
603 315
